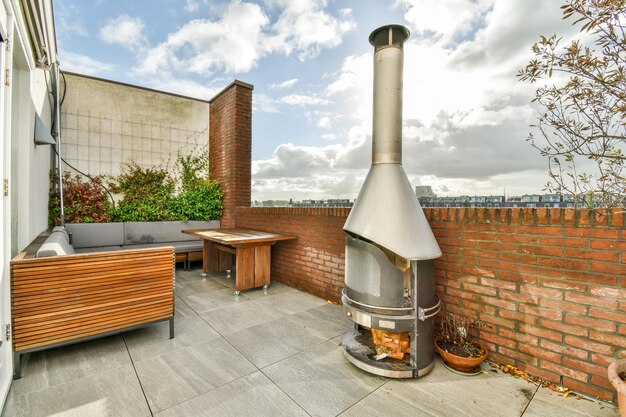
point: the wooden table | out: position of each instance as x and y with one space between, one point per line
251 248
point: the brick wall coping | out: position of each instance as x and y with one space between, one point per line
305 211
548 216
235 82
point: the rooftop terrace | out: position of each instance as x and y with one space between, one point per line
274 354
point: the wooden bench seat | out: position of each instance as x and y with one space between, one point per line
65 299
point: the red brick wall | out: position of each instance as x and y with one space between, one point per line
550 282
313 262
230 146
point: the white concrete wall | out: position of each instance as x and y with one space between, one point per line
24 166
28 165
107 124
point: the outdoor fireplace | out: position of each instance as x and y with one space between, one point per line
389 277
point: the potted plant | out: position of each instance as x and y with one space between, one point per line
457 347
617 376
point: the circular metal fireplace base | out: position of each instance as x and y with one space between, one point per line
358 347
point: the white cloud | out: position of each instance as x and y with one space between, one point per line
285 84
125 31
245 34
346 12
305 172
444 19
465 113
303 100
517 183
264 103
304 27
203 46
192 6
68 22
296 161
354 85
82 64
324 122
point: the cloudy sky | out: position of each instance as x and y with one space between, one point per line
466 115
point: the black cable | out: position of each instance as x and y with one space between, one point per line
54 119
57 152
64 87
86 175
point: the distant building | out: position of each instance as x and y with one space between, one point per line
494 201
324 203
271 203
424 191
464 201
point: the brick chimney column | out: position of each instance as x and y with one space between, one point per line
230 146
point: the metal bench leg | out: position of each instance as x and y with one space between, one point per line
17 365
172 328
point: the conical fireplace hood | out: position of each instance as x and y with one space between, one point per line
387 211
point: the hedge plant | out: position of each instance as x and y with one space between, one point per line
145 194
85 200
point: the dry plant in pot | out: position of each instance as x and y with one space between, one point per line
457 347
617 376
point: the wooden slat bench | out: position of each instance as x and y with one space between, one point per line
65 299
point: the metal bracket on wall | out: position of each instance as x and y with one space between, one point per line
5 187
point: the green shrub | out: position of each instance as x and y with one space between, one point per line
201 202
193 170
152 194
85 200
147 194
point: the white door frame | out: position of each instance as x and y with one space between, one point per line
6 56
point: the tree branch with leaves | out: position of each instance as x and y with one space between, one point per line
582 113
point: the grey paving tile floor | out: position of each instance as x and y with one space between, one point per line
274 354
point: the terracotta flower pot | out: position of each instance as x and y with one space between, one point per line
620 386
460 363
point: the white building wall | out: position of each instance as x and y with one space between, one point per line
41 157
29 164
106 124
23 165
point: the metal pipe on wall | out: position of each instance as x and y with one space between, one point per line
57 134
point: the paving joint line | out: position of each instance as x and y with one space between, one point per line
537 387
132 362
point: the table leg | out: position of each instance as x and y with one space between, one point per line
262 267
244 274
206 247
210 258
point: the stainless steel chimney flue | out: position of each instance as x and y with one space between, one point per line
388 42
389 289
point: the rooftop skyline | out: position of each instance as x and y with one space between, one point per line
465 114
